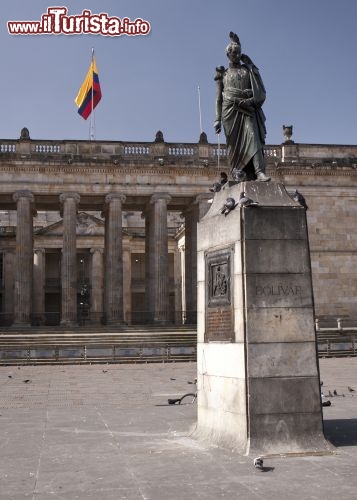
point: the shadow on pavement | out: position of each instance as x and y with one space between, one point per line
342 432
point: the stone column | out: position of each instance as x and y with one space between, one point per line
69 203
38 302
24 258
178 286
149 304
194 212
9 279
127 285
113 285
157 268
96 299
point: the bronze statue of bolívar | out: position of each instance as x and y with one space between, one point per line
240 96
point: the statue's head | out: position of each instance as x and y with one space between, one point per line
233 49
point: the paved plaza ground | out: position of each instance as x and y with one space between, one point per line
105 432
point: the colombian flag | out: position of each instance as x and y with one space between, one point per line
90 93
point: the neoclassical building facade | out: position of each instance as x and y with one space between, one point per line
105 232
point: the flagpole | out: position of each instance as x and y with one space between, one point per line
199 107
92 132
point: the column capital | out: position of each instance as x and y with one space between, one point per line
114 196
39 250
160 196
67 195
23 193
96 249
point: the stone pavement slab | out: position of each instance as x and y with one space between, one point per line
106 432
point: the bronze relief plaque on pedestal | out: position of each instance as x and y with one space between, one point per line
219 304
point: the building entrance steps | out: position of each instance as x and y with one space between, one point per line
93 345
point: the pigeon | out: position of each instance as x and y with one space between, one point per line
179 400
350 389
330 395
239 175
10 376
258 463
229 205
335 392
326 403
223 178
296 196
27 380
215 187
244 201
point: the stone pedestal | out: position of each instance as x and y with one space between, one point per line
258 377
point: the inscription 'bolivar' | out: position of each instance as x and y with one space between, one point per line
278 290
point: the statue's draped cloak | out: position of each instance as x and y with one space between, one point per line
245 131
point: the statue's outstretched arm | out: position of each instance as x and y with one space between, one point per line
219 98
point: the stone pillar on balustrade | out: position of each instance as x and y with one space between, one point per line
24 258
69 204
193 214
97 279
157 262
113 251
38 301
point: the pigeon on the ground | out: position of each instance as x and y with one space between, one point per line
179 400
244 201
296 196
326 403
335 392
330 395
258 463
26 381
350 389
229 205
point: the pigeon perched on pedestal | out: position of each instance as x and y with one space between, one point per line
217 186
229 205
296 196
239 175
244 201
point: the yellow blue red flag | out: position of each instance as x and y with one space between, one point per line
90 92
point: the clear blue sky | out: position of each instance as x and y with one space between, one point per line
305 50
